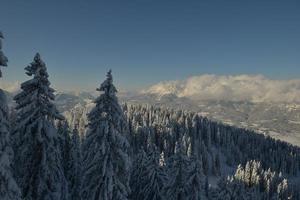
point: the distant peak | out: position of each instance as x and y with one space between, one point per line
252 88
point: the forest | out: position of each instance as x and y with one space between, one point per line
132 151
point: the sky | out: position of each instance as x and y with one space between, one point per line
147 41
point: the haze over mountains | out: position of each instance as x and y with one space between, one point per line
250 101
253 88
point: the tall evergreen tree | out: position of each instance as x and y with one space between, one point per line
8 187
195 180
176 189
154 175
65 146
38 158
106 161
3 58
75 174
137 175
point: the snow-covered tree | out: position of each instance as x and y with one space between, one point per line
8 187
154 177
195 180
75 170
38 159
137 175
218 164
106 161
229 147
177 168
63 131
162 160
3 58
253 182
229 189
282 190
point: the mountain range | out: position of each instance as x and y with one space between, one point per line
270 107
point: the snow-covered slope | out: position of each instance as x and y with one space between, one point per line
269 106
255 102
255 88
279 120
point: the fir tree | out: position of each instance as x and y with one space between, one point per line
176 189
195 180
3 58
65 145
206 186
282 190
8 187
75 170
137 175
154 177
218 164
106 161
166 127
38 157
229 189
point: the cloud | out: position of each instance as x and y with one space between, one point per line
254 88
10 86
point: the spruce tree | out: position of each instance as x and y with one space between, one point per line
8 187
154 177
65 146
137 175
282 190
176 188
106 161
3 58
195 180
75 174
38 159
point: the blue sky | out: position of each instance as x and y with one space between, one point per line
146 41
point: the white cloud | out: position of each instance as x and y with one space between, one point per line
255 88
10 86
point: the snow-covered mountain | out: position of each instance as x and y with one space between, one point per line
253 88
220 150
222 144
268 106
279 120
255 102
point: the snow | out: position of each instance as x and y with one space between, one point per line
38 138
8 187
106 159
294 122
3 58
182 149
255 88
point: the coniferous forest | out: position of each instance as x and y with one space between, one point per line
132 152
